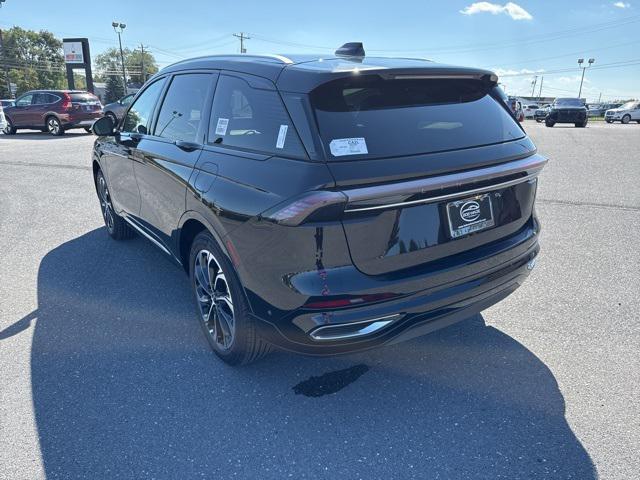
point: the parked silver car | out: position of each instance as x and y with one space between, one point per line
115 111
624 114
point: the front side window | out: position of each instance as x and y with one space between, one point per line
252 119
183 107
24 101
139 115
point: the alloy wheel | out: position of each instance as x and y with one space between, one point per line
105 203
53 126
214 298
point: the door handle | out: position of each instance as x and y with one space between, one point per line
187 146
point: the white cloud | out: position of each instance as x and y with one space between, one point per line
622 5
514 10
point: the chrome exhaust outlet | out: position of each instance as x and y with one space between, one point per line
343 331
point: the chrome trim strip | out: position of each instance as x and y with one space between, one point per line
466 193
530 165
282 58
372 325
147 236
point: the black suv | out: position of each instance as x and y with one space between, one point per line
567 110
325 205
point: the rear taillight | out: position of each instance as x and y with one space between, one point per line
319 206
66 102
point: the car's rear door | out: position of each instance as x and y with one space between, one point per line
39 107
164 161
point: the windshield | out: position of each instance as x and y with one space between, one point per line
568 102
429 115
628 106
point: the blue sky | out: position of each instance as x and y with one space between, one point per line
516 39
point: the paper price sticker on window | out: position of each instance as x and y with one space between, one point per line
221 126
282 135
348 146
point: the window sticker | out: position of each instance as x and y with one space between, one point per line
221 126
348 146
282 135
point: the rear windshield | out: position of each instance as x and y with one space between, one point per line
372 117
83 98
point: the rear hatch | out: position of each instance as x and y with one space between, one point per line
85 105
432 166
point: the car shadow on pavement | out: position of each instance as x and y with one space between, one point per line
125 386
36 135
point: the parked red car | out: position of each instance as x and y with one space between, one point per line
53 111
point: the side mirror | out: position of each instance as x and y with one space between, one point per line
103 127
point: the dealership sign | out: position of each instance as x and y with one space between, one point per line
73 52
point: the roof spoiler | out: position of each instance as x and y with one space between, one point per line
351 49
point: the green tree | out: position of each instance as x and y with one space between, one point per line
35 59
109 63
114 89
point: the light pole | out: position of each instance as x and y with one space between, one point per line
119 28
580 62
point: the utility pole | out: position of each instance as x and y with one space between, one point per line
580 62
533 85
119 28
242 38
4 63
144 74
540 91
600 97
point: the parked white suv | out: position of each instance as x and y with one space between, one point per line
530 110
627 112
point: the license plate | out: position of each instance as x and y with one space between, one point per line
470 215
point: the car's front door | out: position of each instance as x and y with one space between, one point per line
120 153
635 113
21 114
164 161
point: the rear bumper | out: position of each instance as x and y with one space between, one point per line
447 296
80 120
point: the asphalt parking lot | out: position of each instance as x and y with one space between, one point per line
105 372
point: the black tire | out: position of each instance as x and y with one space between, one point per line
54 126
626 119
10 129
539 120
117 228
609 121
549 123
582 125
244 344
113 118
88 129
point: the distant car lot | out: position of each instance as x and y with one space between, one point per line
544 385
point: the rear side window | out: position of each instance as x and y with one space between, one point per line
252 119
372 117
183 106
139 115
